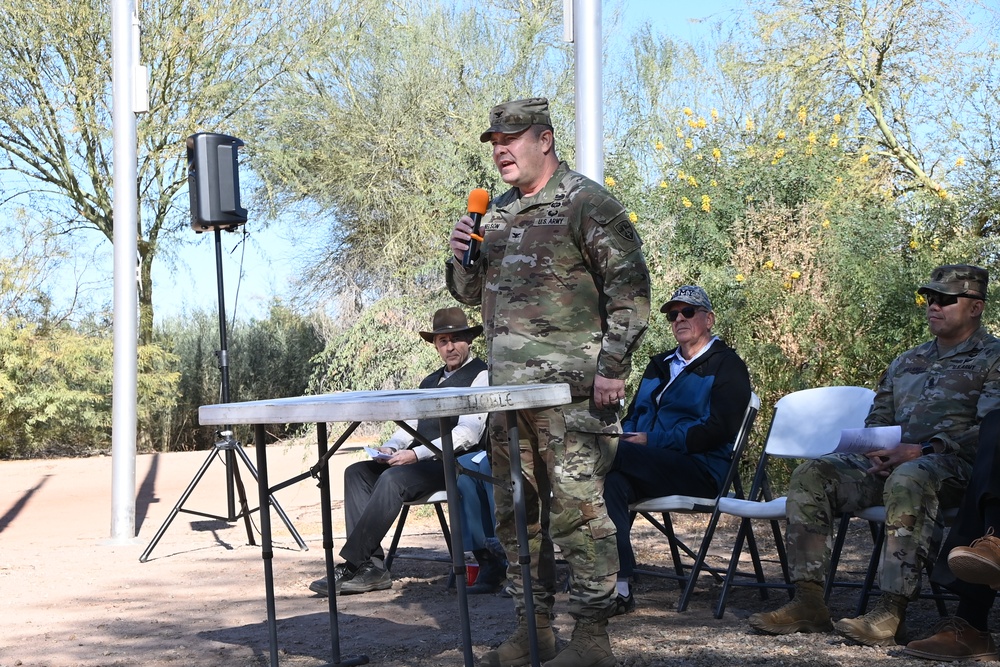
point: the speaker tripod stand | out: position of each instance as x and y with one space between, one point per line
226 448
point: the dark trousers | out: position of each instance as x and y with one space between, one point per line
374 494
648 472
984 485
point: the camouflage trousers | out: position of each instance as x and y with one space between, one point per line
565 453
914 495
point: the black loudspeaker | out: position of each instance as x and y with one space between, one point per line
214 182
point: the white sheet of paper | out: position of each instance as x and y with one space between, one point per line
864 440
376 454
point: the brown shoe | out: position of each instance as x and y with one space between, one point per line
954 639
978 563
885 625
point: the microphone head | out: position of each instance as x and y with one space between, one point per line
479 201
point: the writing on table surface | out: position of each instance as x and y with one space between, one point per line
491 401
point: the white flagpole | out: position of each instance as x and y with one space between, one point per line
585 20
124 392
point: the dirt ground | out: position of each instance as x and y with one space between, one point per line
72 597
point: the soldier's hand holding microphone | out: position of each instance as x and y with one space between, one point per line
466 237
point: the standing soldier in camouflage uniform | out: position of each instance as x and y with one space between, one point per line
938 393
564 292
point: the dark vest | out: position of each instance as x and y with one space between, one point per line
463 377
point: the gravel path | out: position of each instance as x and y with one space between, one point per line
70 598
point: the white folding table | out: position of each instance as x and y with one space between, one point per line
396 406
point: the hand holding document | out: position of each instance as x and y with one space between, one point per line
865 440
377 455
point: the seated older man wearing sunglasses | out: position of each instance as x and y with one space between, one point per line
679 430
938 393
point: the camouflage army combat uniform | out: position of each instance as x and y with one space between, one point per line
934 396
564 292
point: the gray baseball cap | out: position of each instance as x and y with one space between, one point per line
689 294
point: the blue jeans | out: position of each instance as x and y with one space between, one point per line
478 510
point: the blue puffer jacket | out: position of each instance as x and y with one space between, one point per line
700 412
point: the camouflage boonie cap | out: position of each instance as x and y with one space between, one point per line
689 294
517 116
958 279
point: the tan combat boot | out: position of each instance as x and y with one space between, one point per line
885 625
515 651
590 647
807 612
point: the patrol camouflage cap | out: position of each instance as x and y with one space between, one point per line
690 294
957 279
517 116
450 321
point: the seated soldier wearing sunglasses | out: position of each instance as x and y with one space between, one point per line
679 430
938 393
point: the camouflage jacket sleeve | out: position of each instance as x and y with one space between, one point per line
466 285
613 253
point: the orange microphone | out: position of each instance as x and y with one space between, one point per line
479 201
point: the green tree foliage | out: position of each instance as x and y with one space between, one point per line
268 358
375 137
808 211
889 65
208 62
55 390
55 367
807 164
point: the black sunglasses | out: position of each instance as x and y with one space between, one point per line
687 311
945 300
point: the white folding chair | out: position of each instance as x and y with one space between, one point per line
665 505
806 424
439 499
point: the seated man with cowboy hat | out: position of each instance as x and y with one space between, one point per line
375 490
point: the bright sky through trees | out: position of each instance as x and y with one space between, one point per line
185 277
